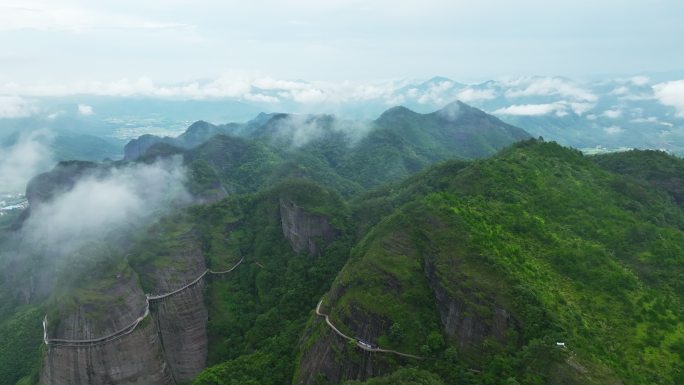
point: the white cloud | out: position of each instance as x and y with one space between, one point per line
581 108
55 115
549 87
45 15
361 92
21 161
85 110
612 114
640 80
612 130
278 84
261 98
298 130
438 93
106 201
619 91
311 95
16 107
559 108
652 120
469 95
671 94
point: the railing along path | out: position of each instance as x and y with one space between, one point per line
358 343
128 329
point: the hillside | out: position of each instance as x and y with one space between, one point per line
536 265
659 169
346 155
492 266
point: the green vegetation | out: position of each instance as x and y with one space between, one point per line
407 376
480 266
20 353
598 271
399 143
257 315
658 168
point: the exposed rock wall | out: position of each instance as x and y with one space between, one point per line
168 348
462 322
135 358
336 360
182 324
327 359
182 318
304 230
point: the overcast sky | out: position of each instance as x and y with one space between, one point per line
62 41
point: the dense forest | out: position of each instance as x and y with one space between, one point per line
451 236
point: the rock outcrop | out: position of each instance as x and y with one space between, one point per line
135 358
322 358
462 322
181 319
169 347
305 231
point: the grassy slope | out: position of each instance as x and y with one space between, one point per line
573 252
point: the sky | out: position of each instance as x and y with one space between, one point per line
50 43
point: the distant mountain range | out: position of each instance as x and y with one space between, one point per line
596 116
396 144
442 247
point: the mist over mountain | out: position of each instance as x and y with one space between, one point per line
415 192
616 113
443 245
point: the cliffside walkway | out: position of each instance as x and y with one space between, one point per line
359 343
128 329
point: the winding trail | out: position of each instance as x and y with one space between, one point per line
358 343
128 329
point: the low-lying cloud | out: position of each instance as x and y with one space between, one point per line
27 157
671 94
106 202
549 87
299 130
560 109
533 109
16 107
85 110
612 114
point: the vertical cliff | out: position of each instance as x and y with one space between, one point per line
168 347
304 230
135 358
336 360
181 318
468 319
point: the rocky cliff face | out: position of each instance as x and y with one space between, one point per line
136 358
133 359
181 319
328 356
465 324
168 348
466 321
305 231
